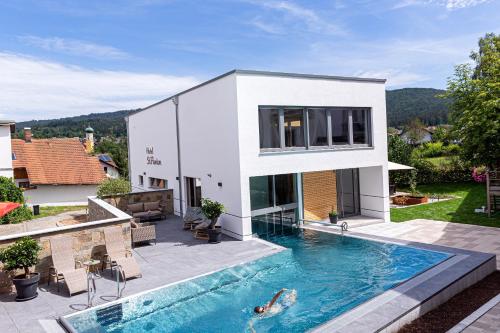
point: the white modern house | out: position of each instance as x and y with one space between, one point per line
268 146
6 127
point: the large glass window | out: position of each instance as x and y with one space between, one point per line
285 128
294 128
261 192
340 126
269 127
360 126
318 127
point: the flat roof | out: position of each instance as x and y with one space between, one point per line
266 73
6 122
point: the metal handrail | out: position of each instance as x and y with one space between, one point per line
119 272
344 226
90 288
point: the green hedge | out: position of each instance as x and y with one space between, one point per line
428 173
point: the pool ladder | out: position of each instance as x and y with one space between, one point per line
119 272
91 290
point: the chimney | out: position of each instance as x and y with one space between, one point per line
27 134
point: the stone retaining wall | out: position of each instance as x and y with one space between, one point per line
88 238
166 198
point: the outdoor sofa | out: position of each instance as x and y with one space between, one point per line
146 211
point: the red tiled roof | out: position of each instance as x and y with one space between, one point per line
57 162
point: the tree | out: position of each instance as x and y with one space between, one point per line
475 94
440 135
9 191
415 131
399 152
21 255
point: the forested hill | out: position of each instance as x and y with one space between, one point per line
403 105
110 124
406 104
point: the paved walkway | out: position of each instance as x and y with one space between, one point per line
463 236
176 256
489 322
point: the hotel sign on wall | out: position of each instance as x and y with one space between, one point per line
151 158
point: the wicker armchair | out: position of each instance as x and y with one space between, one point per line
143 232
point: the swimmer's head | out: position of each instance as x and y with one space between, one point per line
258 309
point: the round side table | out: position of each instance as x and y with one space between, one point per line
92 266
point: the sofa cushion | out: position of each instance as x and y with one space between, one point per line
154 205
140 214
135 208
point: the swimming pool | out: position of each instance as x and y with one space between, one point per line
331 274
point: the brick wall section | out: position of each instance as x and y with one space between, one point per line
320 194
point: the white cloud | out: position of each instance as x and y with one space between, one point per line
449 4
74 47
294 13
38 89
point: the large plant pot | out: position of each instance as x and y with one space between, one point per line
27 288
333 219
214 236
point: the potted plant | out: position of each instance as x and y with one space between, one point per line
212 211
23 254
334 217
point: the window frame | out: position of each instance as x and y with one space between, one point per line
330 146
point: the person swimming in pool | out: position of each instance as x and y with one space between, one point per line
274 307
288 299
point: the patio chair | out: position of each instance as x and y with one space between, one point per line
142 232
192 217
200 231
118 255
64 267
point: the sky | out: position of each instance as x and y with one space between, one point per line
70 57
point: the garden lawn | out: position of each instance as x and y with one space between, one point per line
54 210
460 210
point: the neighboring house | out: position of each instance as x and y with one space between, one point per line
55 171
108 165
6 128
269 146
425 134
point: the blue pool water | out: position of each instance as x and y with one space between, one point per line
332 274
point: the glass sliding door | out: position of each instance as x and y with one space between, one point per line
273 202
348 192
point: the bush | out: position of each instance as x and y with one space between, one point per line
428 173
430 149
113 187
21 255
451 149
9 191
18 215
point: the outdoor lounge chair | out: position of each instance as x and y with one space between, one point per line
142 232
64 266
192 217
118 255
200 230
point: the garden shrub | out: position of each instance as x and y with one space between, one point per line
451 149
9 191
430 149
18 215
428 173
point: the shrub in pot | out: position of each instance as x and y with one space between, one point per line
23 254
212 211
334 217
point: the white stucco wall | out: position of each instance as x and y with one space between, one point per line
110 171
60 194
255 90
5 152
219 137
154 127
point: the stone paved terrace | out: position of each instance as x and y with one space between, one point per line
176 256
487 323
462 236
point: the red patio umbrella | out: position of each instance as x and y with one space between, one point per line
7 207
